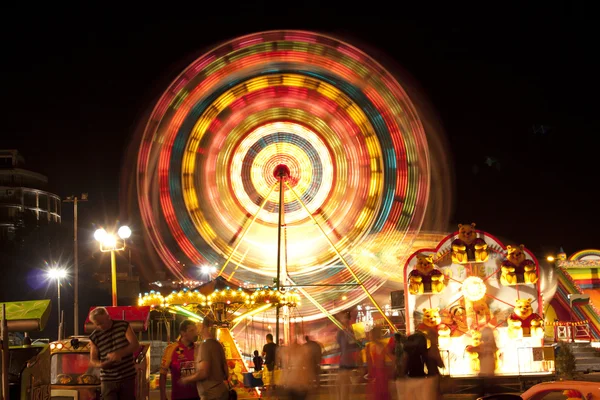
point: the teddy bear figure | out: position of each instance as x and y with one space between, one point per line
472 350
415 284
468 247
429 326
516 268
524 314
537 330
514 329
425 278
431 319
508 276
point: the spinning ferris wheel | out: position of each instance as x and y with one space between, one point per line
287 157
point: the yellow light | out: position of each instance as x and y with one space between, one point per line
344 297
550 258
109 241
473 288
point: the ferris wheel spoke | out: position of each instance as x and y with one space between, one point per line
356 278
262 205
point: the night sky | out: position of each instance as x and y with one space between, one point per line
515 91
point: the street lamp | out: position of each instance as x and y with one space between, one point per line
109 242
58 273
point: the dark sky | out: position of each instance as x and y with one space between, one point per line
76 83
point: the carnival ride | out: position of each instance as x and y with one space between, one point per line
286 155
25 375
229 305
572 315
295 165
471 281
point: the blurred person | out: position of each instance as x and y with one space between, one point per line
257 361
347 343
417 385
297 371
434 359
395 348
487 351
211 372
316 353
178 359
379 374
112 345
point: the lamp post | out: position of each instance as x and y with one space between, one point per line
109 242
74 200
57 273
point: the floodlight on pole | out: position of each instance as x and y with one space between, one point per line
109 242
58 274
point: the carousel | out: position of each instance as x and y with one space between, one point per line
469 282
229 306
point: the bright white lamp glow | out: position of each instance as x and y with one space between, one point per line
213 269
109 241
473 288
124 232
100 234
204 269
57 273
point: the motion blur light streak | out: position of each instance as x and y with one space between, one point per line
346 130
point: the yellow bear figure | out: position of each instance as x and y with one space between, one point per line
431 317
514 329
528 322
537 329
415 284
425 278
459 253
473 354
429 326
468 247
517 268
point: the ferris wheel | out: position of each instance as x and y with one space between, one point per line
288 121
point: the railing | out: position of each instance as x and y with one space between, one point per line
570 331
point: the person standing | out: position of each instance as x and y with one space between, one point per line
112 345
347 344
417 385
316 353
269 353
378 387
297 372
178 359
211 372
395 348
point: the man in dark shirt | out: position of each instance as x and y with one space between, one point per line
269 351
112 346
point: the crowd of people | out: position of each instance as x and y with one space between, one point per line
199 371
